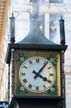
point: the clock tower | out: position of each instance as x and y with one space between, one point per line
36 67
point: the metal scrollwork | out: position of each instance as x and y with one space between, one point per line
60 104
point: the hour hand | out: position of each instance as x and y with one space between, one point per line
44 78
41 69
36 74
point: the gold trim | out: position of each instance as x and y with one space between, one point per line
43 54
58 75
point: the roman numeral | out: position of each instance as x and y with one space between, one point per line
37 88
49 67
44 86
23 74
25 81
37 60
51 74
49 81
30 62
25 67
30 86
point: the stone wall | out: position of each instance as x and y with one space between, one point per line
3 71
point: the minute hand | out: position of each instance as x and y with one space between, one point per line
40 70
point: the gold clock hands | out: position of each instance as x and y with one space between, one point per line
38 73
44 78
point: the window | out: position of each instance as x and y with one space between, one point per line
50 1
3 104
54 28
30 0
56 1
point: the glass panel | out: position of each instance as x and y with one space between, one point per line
56 1
1 107
46 23
30 0
40 0
54 32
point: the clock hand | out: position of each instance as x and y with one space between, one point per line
40 70
44 78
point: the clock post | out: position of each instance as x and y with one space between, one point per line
36 68
10 60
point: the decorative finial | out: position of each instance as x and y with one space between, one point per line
12 14
62 31
12 28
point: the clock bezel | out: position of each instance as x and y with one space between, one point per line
44 52
34 63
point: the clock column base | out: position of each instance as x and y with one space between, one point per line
36 103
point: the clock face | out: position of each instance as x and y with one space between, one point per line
37 74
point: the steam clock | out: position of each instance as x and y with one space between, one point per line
36 67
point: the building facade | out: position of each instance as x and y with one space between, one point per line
3 46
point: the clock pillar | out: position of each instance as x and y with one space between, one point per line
62 37
11 59
26 60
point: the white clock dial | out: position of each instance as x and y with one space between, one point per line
37 74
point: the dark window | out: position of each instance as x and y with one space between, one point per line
30 0
1 107
56 1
